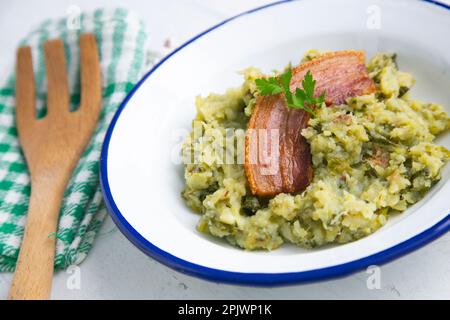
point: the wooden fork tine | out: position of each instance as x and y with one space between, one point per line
90 75
25 90
57 87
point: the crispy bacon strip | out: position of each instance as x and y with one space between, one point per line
340 74
277 156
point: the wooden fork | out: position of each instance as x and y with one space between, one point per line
52 147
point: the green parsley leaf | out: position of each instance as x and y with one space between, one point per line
308 85
320 100
269 86
301 99
285 79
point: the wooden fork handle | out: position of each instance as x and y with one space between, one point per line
34 270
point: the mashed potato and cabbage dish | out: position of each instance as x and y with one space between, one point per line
371 156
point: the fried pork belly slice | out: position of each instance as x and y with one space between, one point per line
277 156
341 74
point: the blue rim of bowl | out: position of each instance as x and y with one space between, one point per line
257 279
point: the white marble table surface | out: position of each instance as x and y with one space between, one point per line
115 269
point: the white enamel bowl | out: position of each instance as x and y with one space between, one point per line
142 183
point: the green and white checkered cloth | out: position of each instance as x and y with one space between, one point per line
120 39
